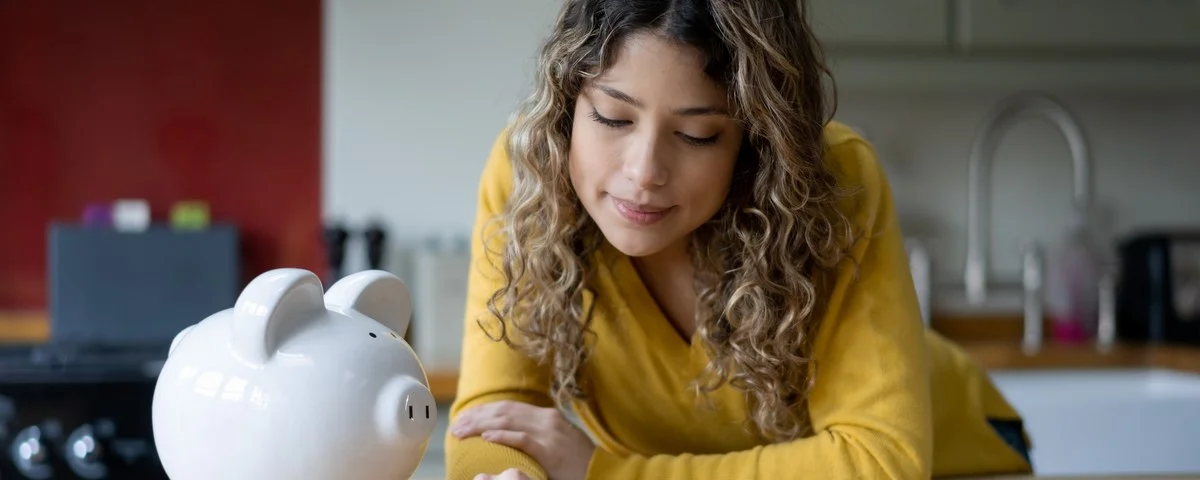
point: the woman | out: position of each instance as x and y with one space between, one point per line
674 243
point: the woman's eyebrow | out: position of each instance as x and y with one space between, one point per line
619 95
698 111
684 112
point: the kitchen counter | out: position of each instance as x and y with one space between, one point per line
1005 355
995 345
23 327
992 343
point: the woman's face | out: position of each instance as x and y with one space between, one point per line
652 147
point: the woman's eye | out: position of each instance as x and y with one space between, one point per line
614 123
700 142
608 122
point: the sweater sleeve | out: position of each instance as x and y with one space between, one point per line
870 404
490 371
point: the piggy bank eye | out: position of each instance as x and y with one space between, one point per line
372 334
393 334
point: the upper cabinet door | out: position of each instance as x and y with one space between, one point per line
1103 26
881 24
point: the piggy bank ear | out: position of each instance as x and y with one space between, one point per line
376 294
269 306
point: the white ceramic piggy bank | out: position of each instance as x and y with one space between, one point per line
296 383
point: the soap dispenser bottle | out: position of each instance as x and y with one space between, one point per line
1072 289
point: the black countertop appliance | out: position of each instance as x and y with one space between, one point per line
1158 296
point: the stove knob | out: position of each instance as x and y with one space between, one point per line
7 409
84 451
30 455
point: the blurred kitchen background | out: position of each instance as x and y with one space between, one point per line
154 156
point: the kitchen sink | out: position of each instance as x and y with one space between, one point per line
1108 421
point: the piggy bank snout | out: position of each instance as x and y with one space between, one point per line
406 410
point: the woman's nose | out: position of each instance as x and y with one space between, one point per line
645 166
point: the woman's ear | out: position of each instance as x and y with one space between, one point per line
377 294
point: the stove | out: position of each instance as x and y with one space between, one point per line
79 406
77 413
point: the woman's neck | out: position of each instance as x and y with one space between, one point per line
674 258
669 277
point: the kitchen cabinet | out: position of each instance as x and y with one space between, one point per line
1104 27
1009 45
875 24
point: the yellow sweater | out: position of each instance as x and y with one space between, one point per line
891 399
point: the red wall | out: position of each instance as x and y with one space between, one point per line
216 100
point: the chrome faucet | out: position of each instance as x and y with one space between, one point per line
995 123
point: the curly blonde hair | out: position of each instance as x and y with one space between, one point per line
761 261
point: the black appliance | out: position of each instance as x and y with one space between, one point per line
77 414
335 237
375 237
80 405
1158 295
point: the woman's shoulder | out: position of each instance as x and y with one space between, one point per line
496 178
854 163
850 155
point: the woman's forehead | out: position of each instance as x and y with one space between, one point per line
663 69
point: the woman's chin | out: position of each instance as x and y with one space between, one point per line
637 245
635 240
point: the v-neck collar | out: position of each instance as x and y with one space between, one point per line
638 301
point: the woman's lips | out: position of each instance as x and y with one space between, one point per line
640 214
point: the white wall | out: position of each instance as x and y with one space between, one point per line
1146 159
415 93
417 90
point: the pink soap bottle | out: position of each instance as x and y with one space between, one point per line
1072 290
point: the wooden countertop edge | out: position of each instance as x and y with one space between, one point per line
24 327
32 327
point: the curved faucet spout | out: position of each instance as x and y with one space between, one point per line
991 130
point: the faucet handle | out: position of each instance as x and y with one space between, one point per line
920 268
1106 325
1033 282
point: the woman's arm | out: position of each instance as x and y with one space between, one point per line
870 404
490 370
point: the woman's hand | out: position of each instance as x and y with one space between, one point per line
560 448
510 474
